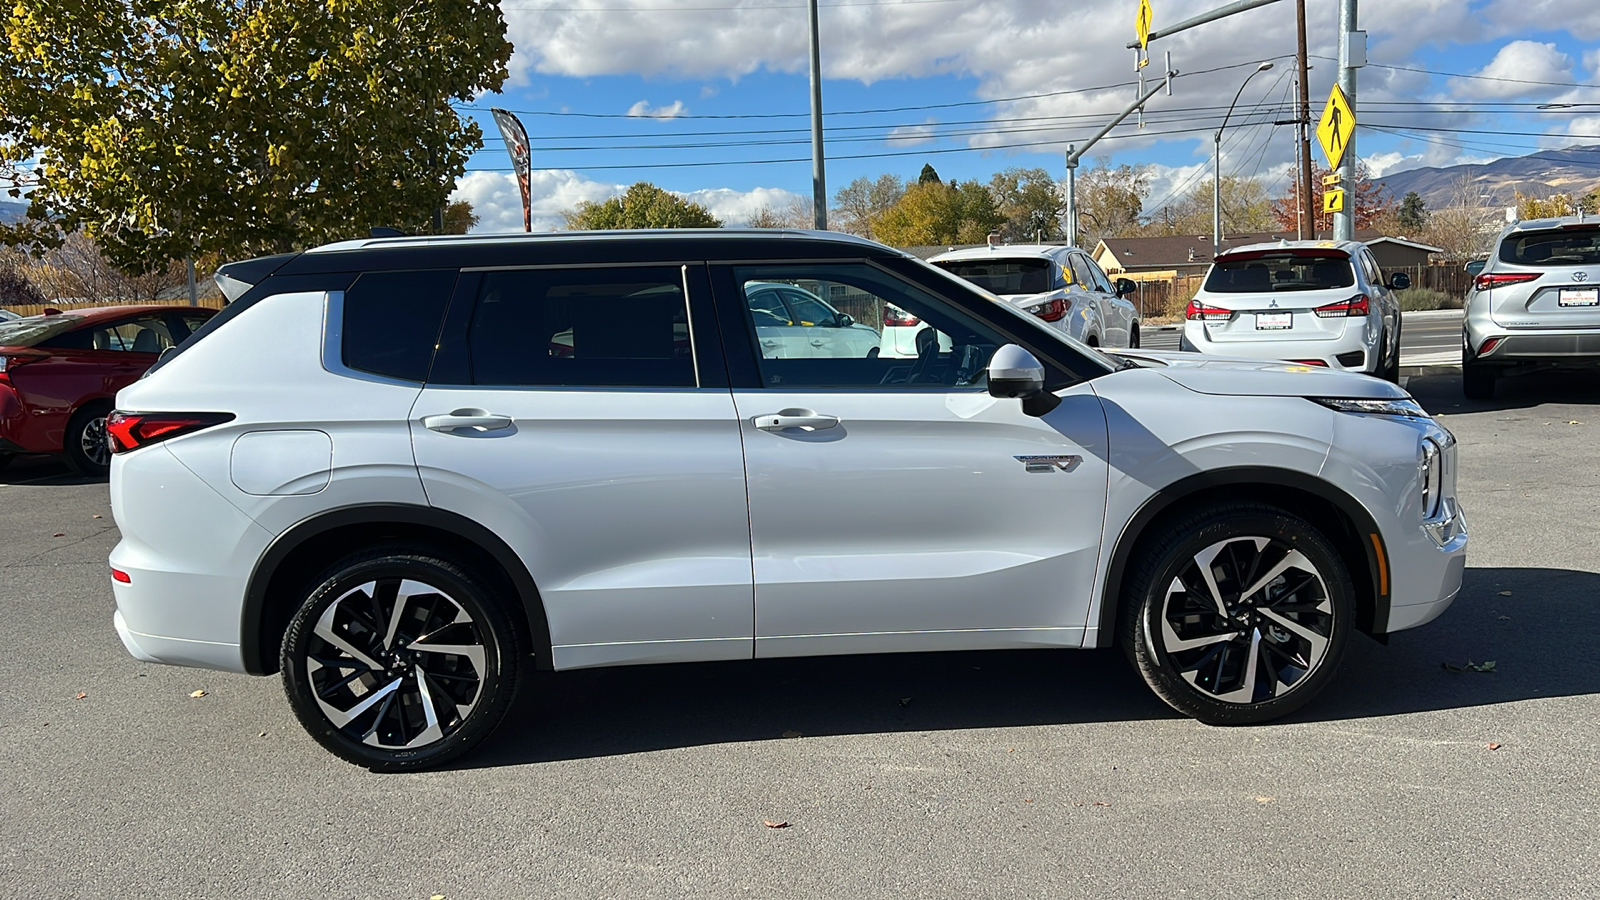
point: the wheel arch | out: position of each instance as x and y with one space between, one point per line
308 547
1339 516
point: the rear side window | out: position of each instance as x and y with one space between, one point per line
391 321
1004 276
606 327
1578 246
1272 274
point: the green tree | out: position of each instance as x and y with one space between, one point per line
643 206
166 129
927 175
939 213
1030 203
1413 215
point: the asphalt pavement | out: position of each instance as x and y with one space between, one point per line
1025 774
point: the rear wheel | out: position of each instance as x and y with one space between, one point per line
1238 614
1477 380
85 445
400 659
5 459
1133 337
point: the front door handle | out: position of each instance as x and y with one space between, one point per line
795 418
475 419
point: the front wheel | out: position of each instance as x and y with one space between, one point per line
399 660
1238 614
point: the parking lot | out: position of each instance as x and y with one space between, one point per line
1049 774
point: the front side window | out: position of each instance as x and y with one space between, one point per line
1280 272
584 327
1097 278
883 333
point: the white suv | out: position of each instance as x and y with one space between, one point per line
1057 283
378 472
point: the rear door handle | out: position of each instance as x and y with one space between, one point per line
475 419
795 418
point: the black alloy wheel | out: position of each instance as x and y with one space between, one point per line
400 660
1238 614
85 444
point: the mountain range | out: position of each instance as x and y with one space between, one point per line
1573 170
12 211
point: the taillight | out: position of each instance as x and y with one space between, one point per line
1051 311
895 317
1491 280
1198 310
1310 362
1355 306
1489 345
119 575
130 431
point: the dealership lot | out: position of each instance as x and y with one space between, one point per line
1041 773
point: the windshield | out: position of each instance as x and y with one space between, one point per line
1273 273
30 331
1003 276
1576 246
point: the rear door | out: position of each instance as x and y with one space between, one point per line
1565 290
583 414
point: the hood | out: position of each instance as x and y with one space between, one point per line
1261 378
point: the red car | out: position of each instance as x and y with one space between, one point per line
60 373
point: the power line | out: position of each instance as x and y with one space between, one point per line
1477 77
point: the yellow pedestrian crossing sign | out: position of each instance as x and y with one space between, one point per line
1333 201
1334 129
1141 24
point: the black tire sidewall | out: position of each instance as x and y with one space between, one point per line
1176 552
502 656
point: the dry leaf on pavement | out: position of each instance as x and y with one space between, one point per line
1493 745
197 694
774 823
80 695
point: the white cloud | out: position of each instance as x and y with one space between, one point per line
643 109
1518 62
498 204
1381 164
912 135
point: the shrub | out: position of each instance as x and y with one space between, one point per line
1418 299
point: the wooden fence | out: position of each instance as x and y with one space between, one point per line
214 301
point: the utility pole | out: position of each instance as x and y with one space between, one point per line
1304 196
1072 197
1352 55
819 188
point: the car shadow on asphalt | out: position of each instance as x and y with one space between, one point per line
1441 394
42 470
1538 627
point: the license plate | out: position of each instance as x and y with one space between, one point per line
1580 296
1274 321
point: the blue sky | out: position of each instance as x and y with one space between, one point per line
616 91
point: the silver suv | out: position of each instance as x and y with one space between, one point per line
1535 303
404 472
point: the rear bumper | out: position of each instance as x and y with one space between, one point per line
1524 346
1327 351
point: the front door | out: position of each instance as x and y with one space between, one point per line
895 505
578 414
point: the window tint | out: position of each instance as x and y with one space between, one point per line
1571 246
391 321
1286 272
1097 278
1004 276
900 337
581 327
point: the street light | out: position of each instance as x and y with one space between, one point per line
1216 165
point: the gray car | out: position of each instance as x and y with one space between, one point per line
1535 303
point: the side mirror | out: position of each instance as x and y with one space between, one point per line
1015 373
1476 266
845 321
1399 281
1125 286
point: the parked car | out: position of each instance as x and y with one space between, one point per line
793 323
1058 284
1317 303
402 510
7 315
1535 303
60 371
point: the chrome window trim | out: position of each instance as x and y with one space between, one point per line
333 345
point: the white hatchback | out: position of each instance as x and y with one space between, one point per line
404 472
1316 303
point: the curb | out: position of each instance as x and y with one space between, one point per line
1424 371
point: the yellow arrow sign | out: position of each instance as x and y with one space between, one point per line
1141 24
1333 201
1334 129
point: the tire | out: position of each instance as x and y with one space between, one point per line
351 651
1477 381
1133 337
84 444
1243 665
5 459
1391 372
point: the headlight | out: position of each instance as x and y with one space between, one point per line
1430 474
1406 407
